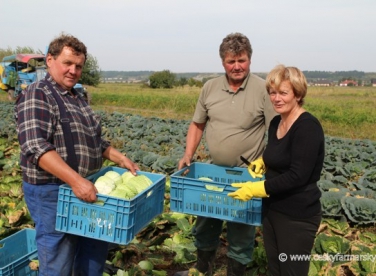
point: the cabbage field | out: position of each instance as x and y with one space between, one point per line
348 185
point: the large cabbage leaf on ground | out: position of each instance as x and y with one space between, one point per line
360 210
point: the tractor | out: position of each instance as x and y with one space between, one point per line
19 70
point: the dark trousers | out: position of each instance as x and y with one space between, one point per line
286 237
240 237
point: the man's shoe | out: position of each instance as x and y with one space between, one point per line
234 268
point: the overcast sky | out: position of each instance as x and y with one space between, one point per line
184 36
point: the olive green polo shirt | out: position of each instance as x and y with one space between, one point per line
235 122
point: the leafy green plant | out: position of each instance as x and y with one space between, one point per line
331 244
360 210
331 203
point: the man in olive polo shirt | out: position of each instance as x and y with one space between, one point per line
235 110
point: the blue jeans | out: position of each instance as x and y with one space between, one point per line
240 237
61 254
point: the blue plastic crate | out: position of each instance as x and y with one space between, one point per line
16 252
190 195
114 219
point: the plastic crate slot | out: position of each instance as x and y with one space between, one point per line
218 199
66 208
203 197
92 225
234 172
218 210
210 209
226 200
225 211
110 231
93 213
75 210
73 223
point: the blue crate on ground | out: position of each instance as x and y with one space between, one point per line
114 219
16 252
190 195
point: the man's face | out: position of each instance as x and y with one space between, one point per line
236 67
66 69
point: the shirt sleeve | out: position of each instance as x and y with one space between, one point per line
201 112
35 124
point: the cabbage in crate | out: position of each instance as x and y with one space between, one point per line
124 185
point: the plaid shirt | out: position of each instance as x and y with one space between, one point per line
39 131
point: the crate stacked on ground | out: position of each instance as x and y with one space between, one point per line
16 252
201 189
111 219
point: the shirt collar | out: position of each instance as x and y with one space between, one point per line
226 85
58 87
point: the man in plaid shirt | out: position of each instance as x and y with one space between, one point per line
44 159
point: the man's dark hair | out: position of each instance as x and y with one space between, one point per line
64 40
236 44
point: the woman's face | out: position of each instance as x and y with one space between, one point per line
283 98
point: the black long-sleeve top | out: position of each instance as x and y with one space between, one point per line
294 165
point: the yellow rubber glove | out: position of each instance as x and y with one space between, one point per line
257 168
248 190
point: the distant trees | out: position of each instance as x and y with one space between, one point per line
162 79
166 79
193 82
334 75
91 73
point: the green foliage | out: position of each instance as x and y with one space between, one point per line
162 79
182 81
331 203
91 73
336 227
193 82
360 210
259 262
331 244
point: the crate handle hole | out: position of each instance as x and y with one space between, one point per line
233 172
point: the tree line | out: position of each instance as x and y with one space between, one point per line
92 74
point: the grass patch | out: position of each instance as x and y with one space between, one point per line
347 112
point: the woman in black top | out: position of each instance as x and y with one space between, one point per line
292 163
